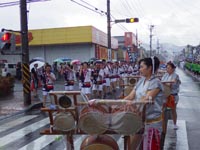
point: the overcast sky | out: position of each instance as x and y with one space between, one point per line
176 21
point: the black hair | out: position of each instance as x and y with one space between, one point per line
69 65
47 65
103 60
171 64
149 62
86 63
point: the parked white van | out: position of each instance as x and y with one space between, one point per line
7 69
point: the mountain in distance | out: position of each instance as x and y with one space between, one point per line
168 47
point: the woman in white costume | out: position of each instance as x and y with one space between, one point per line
85 77
149 87
172 77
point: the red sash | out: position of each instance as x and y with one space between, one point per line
86 84
70 82
153 138
49 86
99 82
170 102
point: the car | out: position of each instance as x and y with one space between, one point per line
7 69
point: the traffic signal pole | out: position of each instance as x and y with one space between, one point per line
25 53
127 20
150 45
109 31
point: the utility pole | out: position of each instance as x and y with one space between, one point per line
151 29
158 46
25 53
136 38
109 31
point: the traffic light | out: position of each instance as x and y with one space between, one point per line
132 20
7 42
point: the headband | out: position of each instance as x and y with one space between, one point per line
153 65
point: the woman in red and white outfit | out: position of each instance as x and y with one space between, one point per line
113 77
97 76
85 77
68 74
48 78
107 72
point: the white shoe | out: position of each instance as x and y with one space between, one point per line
175 127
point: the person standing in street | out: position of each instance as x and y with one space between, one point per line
171 76
48 78
107 72
19 71
97 78
85 77
34 80
68 73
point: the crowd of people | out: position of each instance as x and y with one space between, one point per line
101 78
96 80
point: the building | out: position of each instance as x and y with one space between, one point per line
83 43
129 40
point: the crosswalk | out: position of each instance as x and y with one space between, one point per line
23 133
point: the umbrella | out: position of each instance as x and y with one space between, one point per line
93 59
62 60
36 59
66 59
58 60
40 64
76 61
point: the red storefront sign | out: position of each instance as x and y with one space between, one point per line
18 38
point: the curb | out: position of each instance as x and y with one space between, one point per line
190 74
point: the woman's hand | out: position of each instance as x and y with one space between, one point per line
92 102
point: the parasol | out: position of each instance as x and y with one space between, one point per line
76 61
40 64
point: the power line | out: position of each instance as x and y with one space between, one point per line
88 4
130 6
8 4
121 26
94 9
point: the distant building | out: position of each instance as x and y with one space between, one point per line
127 41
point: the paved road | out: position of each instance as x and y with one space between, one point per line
189 108
23 131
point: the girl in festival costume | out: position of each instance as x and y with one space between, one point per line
35 80
113 77
48 79
85 77
149 87
68 74
172 77
97 78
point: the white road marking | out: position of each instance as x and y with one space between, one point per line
22 132
16 122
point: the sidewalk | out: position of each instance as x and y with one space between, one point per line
192 75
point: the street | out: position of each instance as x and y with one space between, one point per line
188 108
23 131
